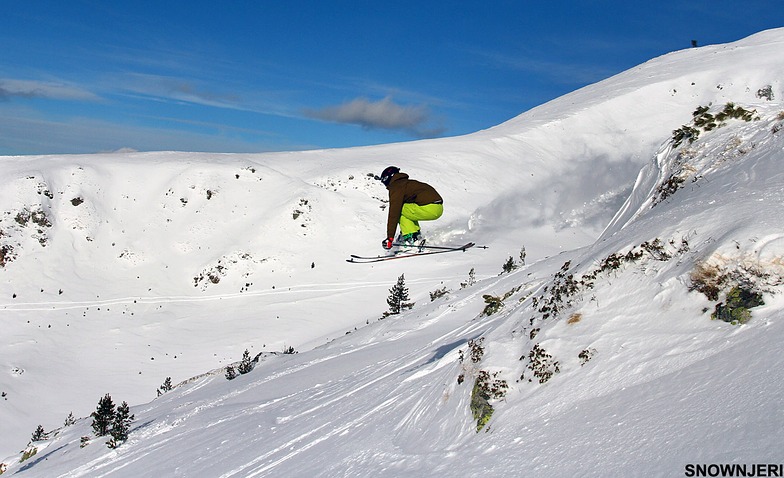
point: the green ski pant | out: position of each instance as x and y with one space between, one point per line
412 213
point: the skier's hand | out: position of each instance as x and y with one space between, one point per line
387 243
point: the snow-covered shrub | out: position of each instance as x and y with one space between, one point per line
438 293
684 133
703 120
765 92
558 294
741 280
6 254
541 364
36 216
471 279
586 355
476 349
494 304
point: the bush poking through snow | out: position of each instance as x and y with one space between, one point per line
684 133
494 304
476 349
541 364
765 92
708 279
735 310
6 254
705 121
586 355
562 292
471 279
486 387
743 285
438 293
28 453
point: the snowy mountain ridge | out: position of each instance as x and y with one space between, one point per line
597 356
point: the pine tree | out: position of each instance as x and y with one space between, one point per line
471 279
39 434
103 416
167 386
398 295
231 374
245 365
69 420
121 425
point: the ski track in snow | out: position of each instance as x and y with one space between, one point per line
313 408
325 289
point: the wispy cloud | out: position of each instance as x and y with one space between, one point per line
12 88
26 131
382 114
560 72
176 89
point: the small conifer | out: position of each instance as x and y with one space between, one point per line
103 416
165 387
398 295
121 425
246 365
39 434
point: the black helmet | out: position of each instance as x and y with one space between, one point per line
386 176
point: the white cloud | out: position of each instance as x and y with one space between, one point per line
382 114
10 88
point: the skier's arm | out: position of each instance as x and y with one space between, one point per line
395 208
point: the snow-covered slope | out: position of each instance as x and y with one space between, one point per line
120 270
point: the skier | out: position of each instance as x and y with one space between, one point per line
410 201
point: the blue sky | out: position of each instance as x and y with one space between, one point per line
84 76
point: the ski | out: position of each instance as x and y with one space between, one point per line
432 250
